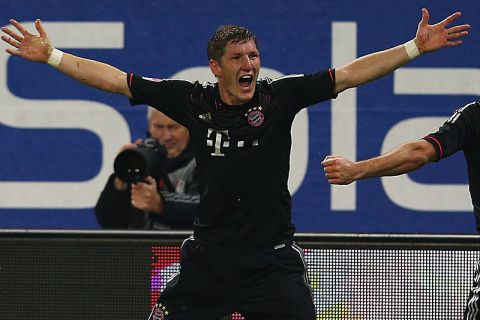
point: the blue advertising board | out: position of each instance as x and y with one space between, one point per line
59 138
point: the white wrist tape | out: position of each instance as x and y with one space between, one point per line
412 49
55 58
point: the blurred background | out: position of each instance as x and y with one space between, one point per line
58 138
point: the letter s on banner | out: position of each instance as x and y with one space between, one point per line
23 113
299 154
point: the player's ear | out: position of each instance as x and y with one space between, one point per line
215 68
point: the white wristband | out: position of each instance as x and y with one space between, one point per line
412 49
55 58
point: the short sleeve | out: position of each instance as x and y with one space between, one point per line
166 95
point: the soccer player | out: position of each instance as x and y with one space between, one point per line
461 132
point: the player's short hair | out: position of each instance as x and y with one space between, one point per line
224 35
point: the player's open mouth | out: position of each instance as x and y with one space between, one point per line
245 81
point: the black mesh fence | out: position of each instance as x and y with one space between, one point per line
118 275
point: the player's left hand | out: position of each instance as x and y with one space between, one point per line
433 37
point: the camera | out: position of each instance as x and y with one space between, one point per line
135 164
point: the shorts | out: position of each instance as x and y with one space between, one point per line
472 309
214 282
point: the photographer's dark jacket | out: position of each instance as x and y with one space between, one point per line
177 183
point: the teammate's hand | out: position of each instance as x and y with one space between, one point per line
339 170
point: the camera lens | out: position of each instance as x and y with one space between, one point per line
131 165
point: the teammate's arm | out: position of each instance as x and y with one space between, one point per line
38 48
402 159
373 66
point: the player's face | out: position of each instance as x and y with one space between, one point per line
237 72
172 135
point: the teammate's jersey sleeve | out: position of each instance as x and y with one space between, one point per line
457 132
166 95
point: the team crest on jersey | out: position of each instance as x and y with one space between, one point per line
255 116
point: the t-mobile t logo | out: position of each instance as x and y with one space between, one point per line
219 136
221 139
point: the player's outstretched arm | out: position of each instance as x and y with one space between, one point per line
402 159
428 38
38 48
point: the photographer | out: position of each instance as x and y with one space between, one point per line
166 199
